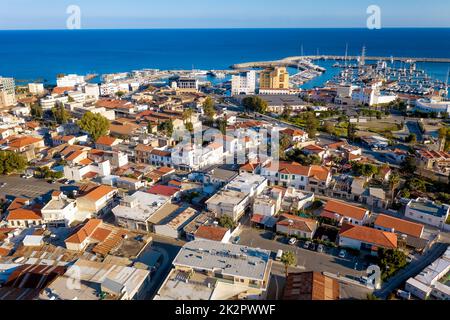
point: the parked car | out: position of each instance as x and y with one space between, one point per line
403 294
307 244
2 184
292 241
342 254
312 247
272 236
237 240
320 248
279 255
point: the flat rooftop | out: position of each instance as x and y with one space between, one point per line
140 206
227 196
429 207
228 259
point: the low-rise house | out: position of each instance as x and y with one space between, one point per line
236 196
97 200
365 238
173 225
135 212
392 224
98 281
427 212
24 218
60 210
432 281
433 160
310 178
107 143
295 135
59 140
317 150
79 240
211 270
342 212
291 225
311 286
213 233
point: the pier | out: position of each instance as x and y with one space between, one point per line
294 61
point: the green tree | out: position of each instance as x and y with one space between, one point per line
120 94
149 127
390 261
255 104
222 125
166 127
226 222
60 114
351 131
312 124
189 126
289 260
11 162
94 124
394 181
328 127
409 165
36 111
187 115
412 138
209 108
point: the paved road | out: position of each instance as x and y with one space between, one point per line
412 270
413 127
28 188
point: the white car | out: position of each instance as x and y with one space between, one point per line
293 241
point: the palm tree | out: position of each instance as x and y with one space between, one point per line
289 260
394 180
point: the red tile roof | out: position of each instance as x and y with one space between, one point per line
400 225
211 233
298 223
99 192
23 214
84 232
345 209
163 190
106 141
369 235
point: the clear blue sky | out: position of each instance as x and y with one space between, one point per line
51 14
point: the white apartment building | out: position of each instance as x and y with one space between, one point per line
244 83
92 91
108 89
237 196
427 212
47 103
36 88
70 80
7 92
60 210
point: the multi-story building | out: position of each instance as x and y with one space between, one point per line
244 83
274 78
7 92
185 84
427 212
309 178
70 80
36 88
211 270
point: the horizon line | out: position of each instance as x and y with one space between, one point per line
226 28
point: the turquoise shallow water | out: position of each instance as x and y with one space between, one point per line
31 55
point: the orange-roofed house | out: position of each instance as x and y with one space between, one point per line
97 199
27 146
399 226
365 238
291 225
82 237
343 212
106 143
213 233
291 174
24 218
295 135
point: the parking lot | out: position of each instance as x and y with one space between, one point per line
307 260
27 188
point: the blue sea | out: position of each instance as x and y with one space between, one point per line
38 55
